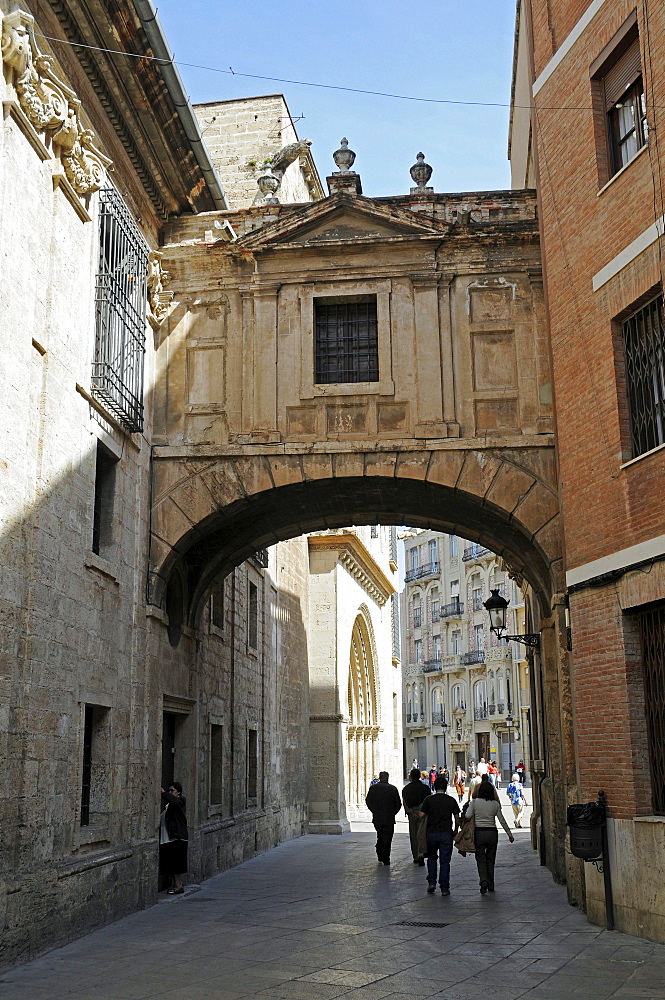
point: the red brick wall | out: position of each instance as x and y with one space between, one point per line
606 508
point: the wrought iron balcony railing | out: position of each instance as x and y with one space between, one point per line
480 712
474 552
418 572
453 610
430 666
475 656
437 718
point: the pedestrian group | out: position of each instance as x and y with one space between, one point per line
438 821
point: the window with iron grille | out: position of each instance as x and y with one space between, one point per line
346 341
652 634
120 303
644 349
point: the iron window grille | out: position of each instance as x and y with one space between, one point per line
346 340
652 634
644 348
120 303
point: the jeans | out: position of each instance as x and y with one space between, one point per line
384 839
439 845
486 841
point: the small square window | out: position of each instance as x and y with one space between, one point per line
346 340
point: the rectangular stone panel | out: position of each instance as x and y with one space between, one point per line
205 375
392 417
494 360
343 418
490 304
497 416
300 420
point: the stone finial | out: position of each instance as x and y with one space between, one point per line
344 157
421 173
268 184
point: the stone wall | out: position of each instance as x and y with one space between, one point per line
241 134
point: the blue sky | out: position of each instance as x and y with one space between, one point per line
458 50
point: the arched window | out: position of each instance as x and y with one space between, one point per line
422 702
409 702
492 688
480 700
457 696
417 612
509 700
437 706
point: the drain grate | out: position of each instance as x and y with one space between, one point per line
418 923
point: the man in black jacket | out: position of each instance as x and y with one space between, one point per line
384 803
412 797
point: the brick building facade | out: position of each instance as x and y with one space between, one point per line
596 76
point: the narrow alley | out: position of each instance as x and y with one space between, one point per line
317 918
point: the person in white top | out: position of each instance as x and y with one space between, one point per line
485 811
482 767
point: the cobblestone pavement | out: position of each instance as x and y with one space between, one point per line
318 918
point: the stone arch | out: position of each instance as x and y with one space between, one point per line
209 516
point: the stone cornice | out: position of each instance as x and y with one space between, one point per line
358 561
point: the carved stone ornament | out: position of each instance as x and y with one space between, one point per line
268 184
49 104
159 300
344 157
420 173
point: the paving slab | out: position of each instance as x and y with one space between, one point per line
317 919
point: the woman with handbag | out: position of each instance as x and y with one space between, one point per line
485 811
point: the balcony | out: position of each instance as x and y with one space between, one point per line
437 718
431 666
475 656
415 719
474 552
453 610
420 572
260 558
480 712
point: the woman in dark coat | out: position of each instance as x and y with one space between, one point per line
173 837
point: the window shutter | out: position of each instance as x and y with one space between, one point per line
622 74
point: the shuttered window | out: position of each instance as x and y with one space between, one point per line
617 75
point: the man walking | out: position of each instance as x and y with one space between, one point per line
384 803
440 809
517 799
413 795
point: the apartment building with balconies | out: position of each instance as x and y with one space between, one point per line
465 693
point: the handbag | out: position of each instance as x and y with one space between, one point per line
465 837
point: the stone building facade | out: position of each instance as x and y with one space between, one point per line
106 697
465 694
597 88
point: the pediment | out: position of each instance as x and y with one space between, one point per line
341 219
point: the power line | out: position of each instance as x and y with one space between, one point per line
308 83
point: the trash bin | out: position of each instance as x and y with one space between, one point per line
586 821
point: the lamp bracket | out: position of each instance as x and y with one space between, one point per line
530 639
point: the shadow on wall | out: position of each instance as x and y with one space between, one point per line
98 702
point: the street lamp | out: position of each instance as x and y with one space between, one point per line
444 727
509 723
496 605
